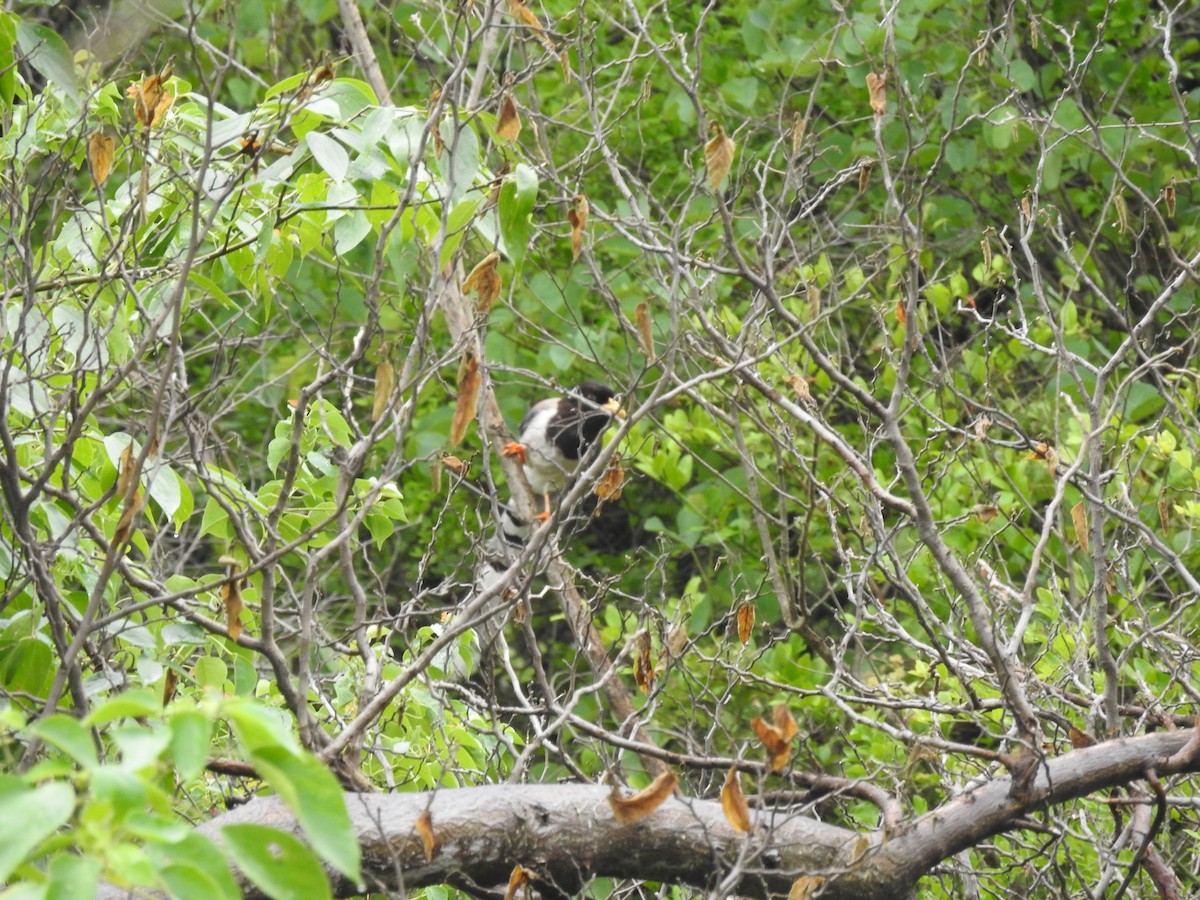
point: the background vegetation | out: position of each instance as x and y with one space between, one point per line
900 302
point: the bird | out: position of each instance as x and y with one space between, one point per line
557 433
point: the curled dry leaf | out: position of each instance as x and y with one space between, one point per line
1079 519
745 622
1122 213
1079 739
126 471
645 328
718 156
901 312
577 215
1168 195
1164 516
612 482
777 737
454 464
508 126
231 596
981 427
484 281
385 383
864 174
1047 453
424 827
100 155
677 640
516 881
877 88
170 685
643 666
629 810
814 301
468 395
733 802
435 121
800 385
151 98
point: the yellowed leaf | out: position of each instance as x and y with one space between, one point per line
126 471
805 887
718 156
799 384
877 88
745 622
1122 213
784 723
385 383
484 281
733 803
629 810
465 404
577 215
814 301
231 596
151 98
1168 196
519 11
901 312
799 129
645 328
516 881
1079 519
100 155
508 126
424 826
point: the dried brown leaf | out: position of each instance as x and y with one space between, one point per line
677 640
985 512
643 665
612 482
170 685
814 301
901 312
877 88
519 11
454 464
775 740
424 827
484 281
1079 519
231 596
645 328
784 723
577 215
1122 213
435 120
1079 739
865 168
100 155
1168 195
1164 516
799 384
126 471
151 98
745 622
733 803
629 810
718 156
981 427
385 383
468 395
508 126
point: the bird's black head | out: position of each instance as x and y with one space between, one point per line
581 418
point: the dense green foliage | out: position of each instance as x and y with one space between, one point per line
918 389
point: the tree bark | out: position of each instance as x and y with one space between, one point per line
565 834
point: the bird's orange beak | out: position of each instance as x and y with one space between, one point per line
613 407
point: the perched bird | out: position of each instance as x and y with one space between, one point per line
557 433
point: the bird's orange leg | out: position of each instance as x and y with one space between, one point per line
513 448
544 515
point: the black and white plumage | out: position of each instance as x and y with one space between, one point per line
558 432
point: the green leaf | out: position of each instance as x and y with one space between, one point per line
191 732
517 197
27 666
72 877
68 735
28 817
194 869
132 704
349 231
51 57
314 795
276 862
211 672
460 160
329 154
8 73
